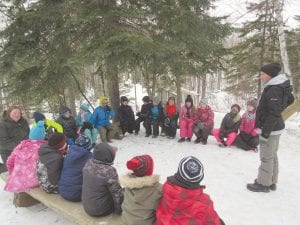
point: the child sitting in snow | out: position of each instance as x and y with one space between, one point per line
171 117
142 192
230 125
126 116
157 114
70 182
101 191
21 164
85 125
248 138
144 116
187 118
183 201
50 162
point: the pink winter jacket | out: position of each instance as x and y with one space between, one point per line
183 114
21 166
248 126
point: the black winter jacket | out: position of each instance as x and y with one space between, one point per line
276 96
12 133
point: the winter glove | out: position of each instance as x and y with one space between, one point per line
107 109
222 135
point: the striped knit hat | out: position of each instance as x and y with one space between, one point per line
191 170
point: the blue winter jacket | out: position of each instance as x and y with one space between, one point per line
154 112
101 116
87 118
70 182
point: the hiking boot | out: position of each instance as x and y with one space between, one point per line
256 187
147 135
198 140
204 142
273 187
188 139
181 140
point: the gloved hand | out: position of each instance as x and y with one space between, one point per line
107 108
139 114
222 135
88 125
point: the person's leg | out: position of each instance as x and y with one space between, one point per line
253 142
183 129
147 124
190 128
94 135
240 143
102 132
216 134
88 132
155 127
231 138
111 132
268 155
137 124
173 128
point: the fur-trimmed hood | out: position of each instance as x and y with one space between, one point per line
130 181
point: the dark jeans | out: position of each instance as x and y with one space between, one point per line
146 124
155 125
4 157
172 129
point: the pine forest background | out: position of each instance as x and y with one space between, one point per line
54 52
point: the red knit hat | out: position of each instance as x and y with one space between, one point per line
141 165
237 106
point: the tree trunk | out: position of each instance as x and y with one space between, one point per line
113 83
262 53
153 91
281 36
203 87
178 89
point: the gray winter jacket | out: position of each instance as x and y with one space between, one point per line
101 191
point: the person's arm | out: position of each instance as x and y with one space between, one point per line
57 126
10 163
116 192
274 106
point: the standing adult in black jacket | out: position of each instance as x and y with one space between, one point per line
276 96
126 116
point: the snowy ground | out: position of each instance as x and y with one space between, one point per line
227 171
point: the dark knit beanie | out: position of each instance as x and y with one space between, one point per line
124 99
141 165
237 106
84 141
271 69
37 116
57 140
104 153
190 170
146 99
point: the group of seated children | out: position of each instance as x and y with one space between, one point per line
234 129
82 175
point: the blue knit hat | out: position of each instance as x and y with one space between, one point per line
37 132
84 141
84 107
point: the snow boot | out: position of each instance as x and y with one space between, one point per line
256 187
273 187
188 139
198 140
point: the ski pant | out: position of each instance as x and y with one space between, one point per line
146 124
155 126
203 133
128 127
92 134
229 139
172 128
246 141
268 169
107 132
186 130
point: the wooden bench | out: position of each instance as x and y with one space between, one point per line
72 211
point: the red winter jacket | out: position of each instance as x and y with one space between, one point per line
171 110
206 116
248 125
181 206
